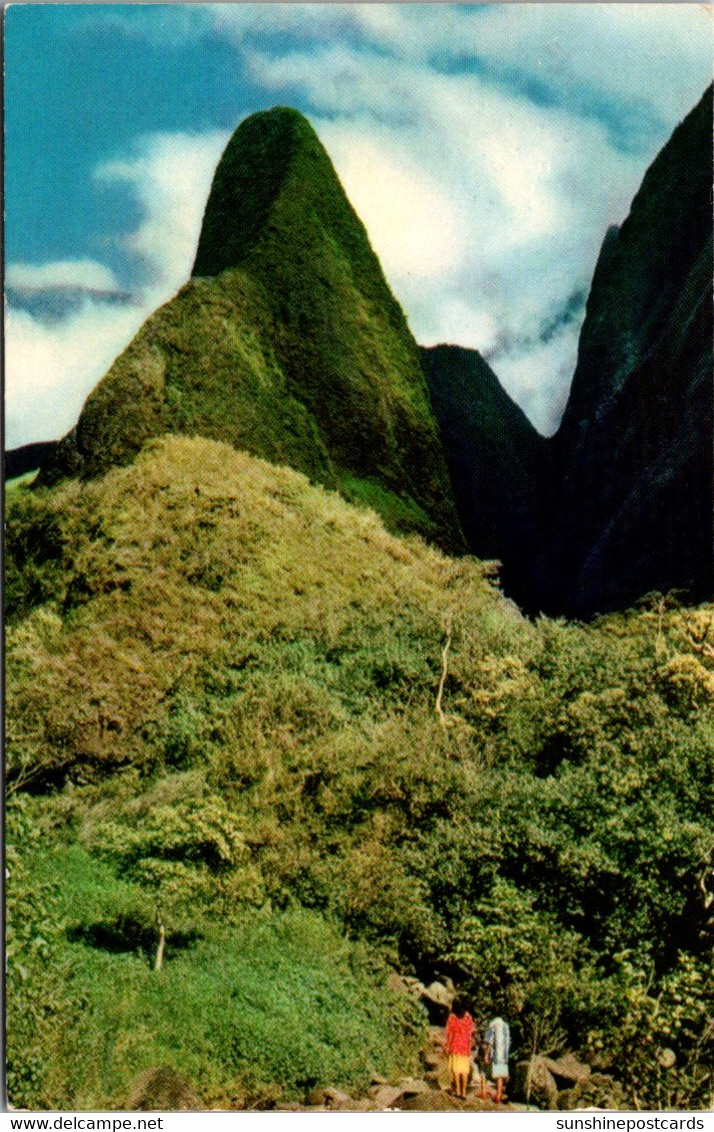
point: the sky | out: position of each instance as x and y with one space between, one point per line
486 148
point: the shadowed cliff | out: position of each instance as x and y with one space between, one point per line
619 502
633 455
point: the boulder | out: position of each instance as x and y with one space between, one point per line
534 1083
598 1090
386 1096
436 994
412 982
336 1100
405 984
413 1086
435 1102
567 1069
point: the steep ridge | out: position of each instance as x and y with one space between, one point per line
286 342
498 463
633 455
619 502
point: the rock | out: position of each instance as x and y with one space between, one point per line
335 1099
378 1079
435 1102
162 1089
534 1083
444 1076
405 984
568 1069
386 1096
411 981
412 1086
598 1090
436 994
667 1058
364 1104
567 1099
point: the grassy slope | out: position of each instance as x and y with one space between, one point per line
221 682
249 1008
287 343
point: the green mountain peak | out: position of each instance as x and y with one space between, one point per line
286 342
265 150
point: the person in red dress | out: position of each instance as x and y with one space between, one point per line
459 1040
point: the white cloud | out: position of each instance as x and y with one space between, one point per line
412 223
504 220
170 177
52 367
486 148
647 52
538 376
83 273
511 197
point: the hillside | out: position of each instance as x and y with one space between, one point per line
222 692
286 343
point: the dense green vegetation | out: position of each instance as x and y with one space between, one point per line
250 1006
286 343
222 685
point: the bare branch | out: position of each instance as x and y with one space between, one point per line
162 942
444 673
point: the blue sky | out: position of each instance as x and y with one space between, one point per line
486 148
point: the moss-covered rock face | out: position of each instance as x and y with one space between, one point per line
286 342
248 181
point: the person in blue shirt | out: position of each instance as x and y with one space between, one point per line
498 1036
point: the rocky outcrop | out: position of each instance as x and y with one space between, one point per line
552 1083
535 1084
567 1070
598 1090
